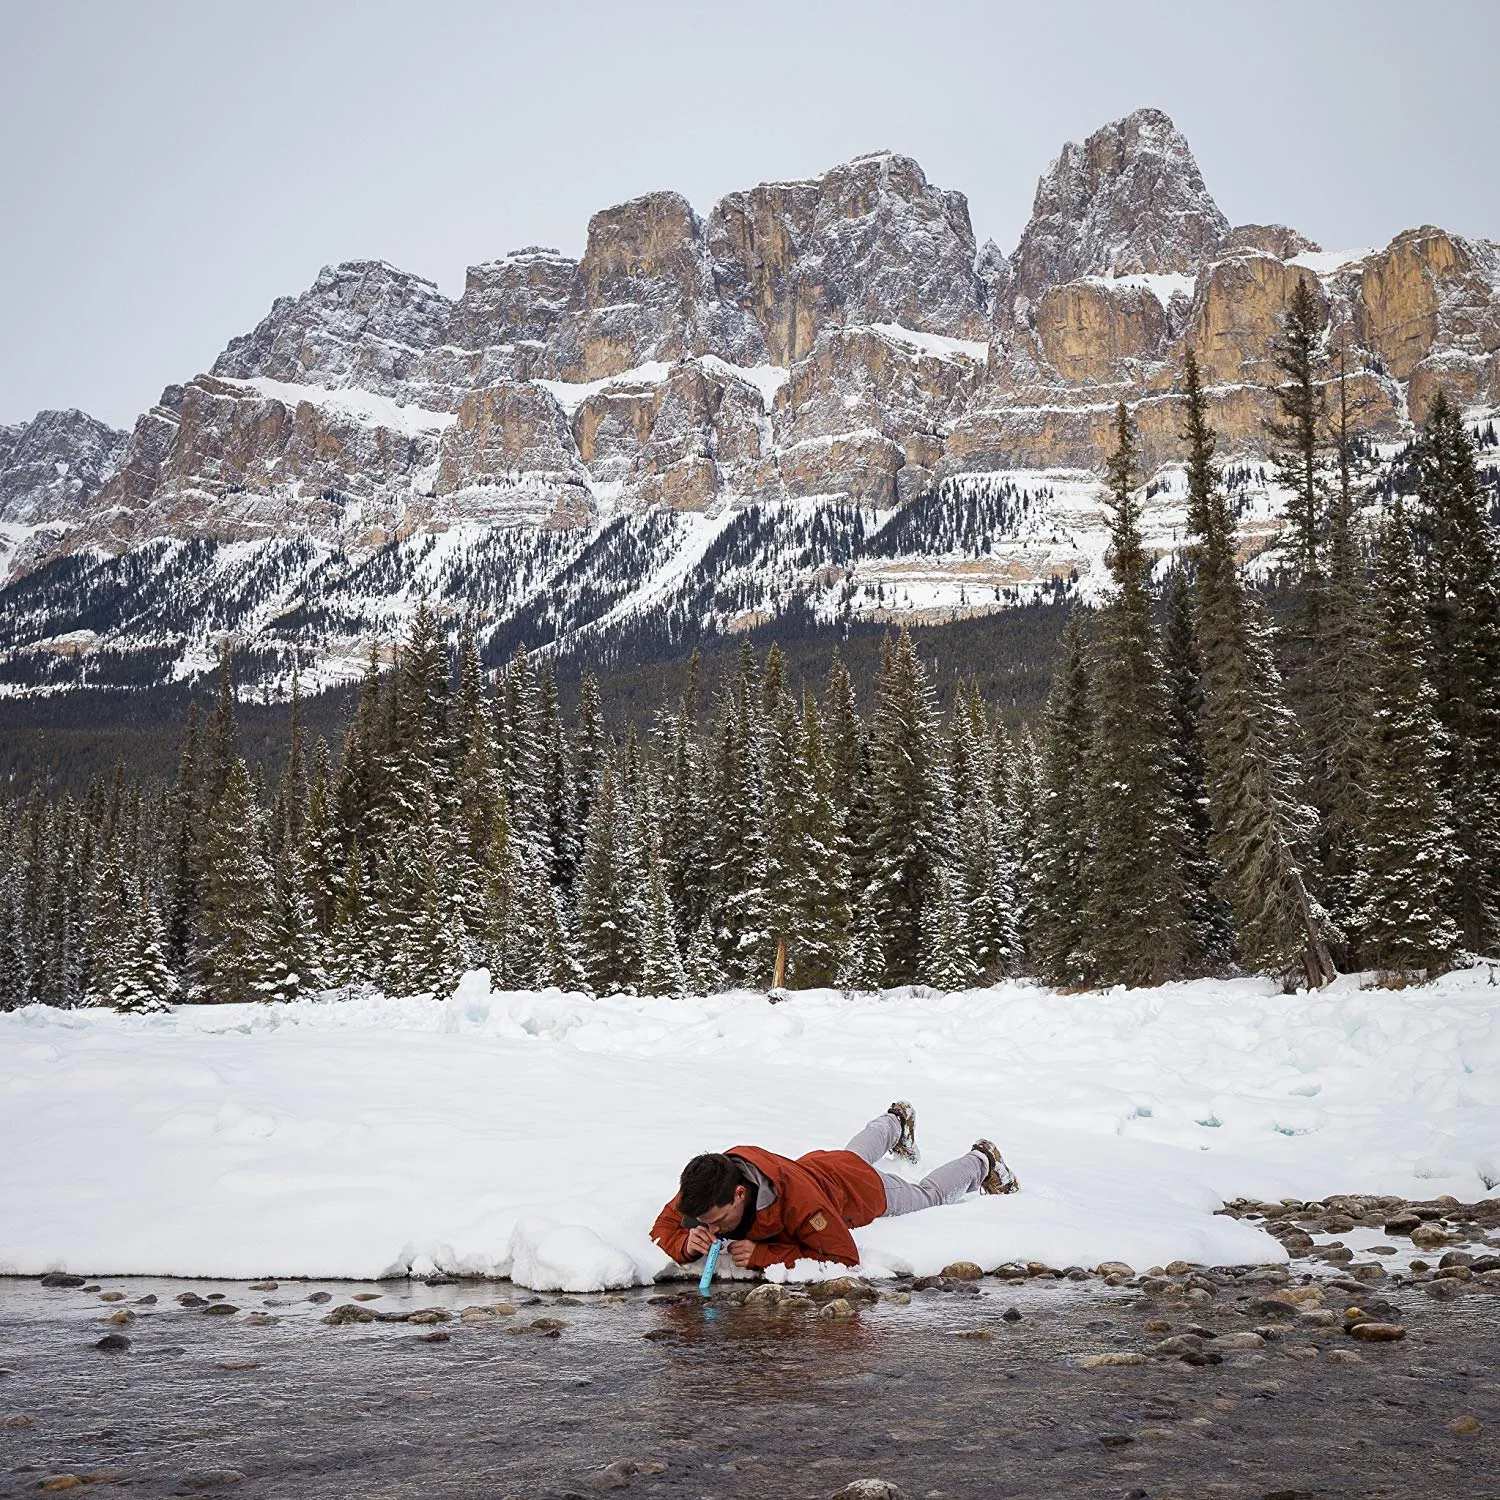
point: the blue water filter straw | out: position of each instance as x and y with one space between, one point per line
706 1279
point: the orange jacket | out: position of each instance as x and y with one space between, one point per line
819 1198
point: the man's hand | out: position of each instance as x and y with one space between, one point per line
740 1252
698 1241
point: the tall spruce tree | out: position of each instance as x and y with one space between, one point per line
912 828
1138 896
1062 857
1263 831
1402 888
1461 587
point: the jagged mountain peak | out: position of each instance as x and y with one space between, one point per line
1129 200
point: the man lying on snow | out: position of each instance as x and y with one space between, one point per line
774 1211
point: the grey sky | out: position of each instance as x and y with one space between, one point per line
168 168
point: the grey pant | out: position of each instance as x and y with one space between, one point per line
947 1184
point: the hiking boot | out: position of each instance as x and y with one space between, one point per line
999 1178
906 1147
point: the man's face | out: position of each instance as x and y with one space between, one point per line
725 1216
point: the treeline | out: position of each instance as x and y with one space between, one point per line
1204 793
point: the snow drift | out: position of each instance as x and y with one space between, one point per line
536 1135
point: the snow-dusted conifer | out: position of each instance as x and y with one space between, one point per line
1262 829
912 835
1401 890
1462 588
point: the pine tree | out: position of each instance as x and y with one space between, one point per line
1401 890
1334 714
1461 586
609 899
702 972
238 897
913 831
862 965
947 956
661 964
144 983
1138 894
747 946
1262 829
1061 933
1183 671
349 959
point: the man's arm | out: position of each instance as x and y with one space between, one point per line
670 1235
820 1236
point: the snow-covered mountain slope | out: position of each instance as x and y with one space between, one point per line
706 419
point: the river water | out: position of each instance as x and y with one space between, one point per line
942 1396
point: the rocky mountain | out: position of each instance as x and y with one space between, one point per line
824 395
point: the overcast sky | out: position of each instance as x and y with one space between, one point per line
168 168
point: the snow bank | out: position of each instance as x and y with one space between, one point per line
537 1135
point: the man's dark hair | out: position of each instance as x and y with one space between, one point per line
708 1181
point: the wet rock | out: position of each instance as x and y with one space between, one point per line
840 1308
1377 1333
1368 1271
1465 1426
430 1315
544 1325
1320 1317
60 1482
113 1343
1115 1439
20 1420
189 1299
870 1489
1454 1273
61 1279
898 1299
1456 1258
348 1312
980 1334
1345 1357
1203 1357
962 1270
1402 1224
1011 1315
1482 1264
364 1296
216 1297
149 1300
850 1288
660 1335
321 1297
1182 1343
1444 1289
220 1310
111 1296
122 1315
1110 1360
103 1476
617 1476
1011 1271
1114 1268
1239 1341
260 1320
263 1286
210 1479
1310 1295
436 1336
1337 1224
1430 1236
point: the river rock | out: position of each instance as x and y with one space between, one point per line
263 1286
1402 1224
869 1489
1345 1357
113 1343
111 1296
189 1299
1377 1333
348 1312
1239 1341
1108 1361
220 1310
1465 1426
433 1315
55 1482
838 1309
1114 1268
962 1270
61 1279
20 1420
1429 1236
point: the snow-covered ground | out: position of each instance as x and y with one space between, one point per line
537 1135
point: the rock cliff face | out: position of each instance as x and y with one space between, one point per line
830 342
1130 199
